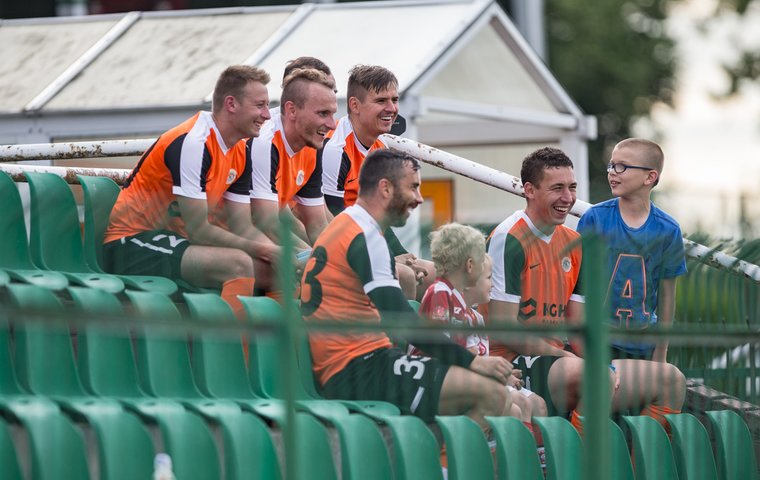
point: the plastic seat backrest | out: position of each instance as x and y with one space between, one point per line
516 455
125 447
9 467
14 247
312 446
218 361
191 445
691 448
734 452
57 447
363 451
100 194
620 461
44 353
415 450
251 435
266 349
652 454
564 450
466 448
55 239
9 384
105 355
163 358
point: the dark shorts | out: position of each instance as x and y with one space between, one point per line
620 354
535 371
157 252
411 382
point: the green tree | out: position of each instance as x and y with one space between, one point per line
616 61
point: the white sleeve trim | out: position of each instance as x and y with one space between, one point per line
385 282
236 197
265 196
578 298
309 202
196 194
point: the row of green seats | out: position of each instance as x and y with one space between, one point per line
114 389
56 254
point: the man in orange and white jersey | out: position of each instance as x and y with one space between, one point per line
372 97
286 172
536 271
184 211
350 278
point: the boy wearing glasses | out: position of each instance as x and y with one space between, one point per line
644 245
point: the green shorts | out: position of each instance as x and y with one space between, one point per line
412 383
157 252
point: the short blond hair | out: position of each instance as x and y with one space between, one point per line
232 82
649 153
452 244
294 86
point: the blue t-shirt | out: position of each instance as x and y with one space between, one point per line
637 259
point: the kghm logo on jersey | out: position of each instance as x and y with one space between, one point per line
231 176
299 178
566 264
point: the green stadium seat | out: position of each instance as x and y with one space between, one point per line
257 457
652 453
691 448
363 452
100 194
4 278
15 258
467 451
57 447
158 347
620 460
9 467
265 367
734 452
516 456
415 305
218 360
55 240
41 348
415 450
564 451
312 449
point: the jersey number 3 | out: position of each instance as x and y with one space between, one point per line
315 288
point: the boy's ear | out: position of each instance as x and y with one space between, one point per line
652 177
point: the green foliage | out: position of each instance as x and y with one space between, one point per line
615 60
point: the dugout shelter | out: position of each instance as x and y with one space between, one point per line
469 82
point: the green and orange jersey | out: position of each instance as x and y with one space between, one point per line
349 260
190 160
537 271
280 174
342 157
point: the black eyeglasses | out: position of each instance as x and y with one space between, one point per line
621 167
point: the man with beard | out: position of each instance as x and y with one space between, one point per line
350 278
286 173
184 211
372 98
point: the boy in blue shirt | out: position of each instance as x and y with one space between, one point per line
644 245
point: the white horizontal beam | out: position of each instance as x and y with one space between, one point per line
512 184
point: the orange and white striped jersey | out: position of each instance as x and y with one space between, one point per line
349 260
342 158
190 160
280 174
539 272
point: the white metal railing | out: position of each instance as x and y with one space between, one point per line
425 153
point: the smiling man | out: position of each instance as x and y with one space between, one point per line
184 211
286 172
350 279
372 97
